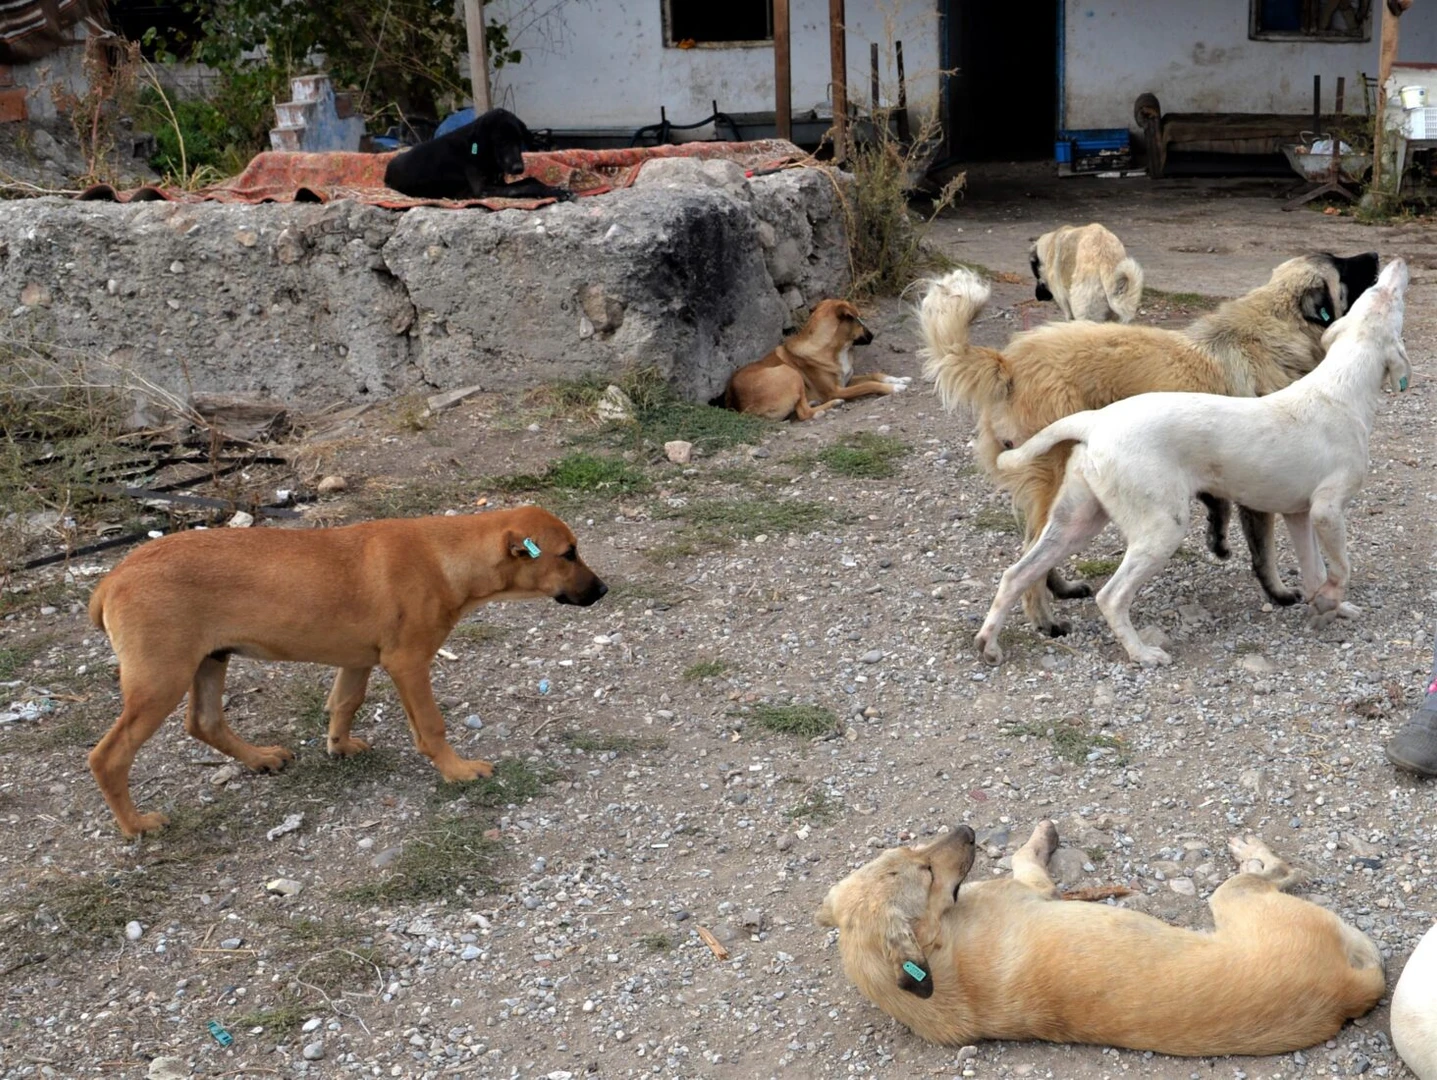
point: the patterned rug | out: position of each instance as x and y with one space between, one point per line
290 177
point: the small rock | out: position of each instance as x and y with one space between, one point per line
1155 635
232 943
290 823
331 484
34 295
283 886
615 406
967 1053
177 267
1183 886
872 656
314 1051
224 774
1257 665
471 952
311 1025
753 920
1194 613
387 856
133 930
473 722
241 520
1068 865
679 452
167 1068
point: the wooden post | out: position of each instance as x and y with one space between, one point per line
478 55
874 88
1386 57
904 135
782 77
838 63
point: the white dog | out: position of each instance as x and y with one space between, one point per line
1414 1010
1300 452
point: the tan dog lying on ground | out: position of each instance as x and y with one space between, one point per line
814 364
1007 959
382 593
1250 346
1086 271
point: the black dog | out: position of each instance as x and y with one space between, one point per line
471 163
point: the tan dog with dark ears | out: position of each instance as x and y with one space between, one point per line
815 364
383 593
1006 958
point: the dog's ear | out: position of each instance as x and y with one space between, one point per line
1399 368
1034 262
827 914
900 945
1318 305
517 547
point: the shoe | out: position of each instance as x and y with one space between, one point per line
1414 748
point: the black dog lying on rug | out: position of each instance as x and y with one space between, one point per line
471 163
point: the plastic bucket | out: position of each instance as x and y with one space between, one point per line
1413 97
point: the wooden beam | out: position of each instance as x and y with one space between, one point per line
1386 57
782 77
838 63
478 55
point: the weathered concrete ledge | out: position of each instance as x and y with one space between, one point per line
694 270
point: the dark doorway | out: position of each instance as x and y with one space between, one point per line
1003 101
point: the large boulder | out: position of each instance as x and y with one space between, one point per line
692 275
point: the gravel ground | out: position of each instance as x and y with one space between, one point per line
565 940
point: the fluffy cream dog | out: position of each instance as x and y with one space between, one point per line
1414 1010
1086 271
1007 959
1255 344
1300 452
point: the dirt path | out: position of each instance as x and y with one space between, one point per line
488 933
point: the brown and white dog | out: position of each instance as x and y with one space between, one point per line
383 593
1007 959
1086 271
815 364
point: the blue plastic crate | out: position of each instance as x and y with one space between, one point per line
1063 151
1092 140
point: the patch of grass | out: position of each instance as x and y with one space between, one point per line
1096 854
706 669
718 523
316 777
12 660
411 413
282 1017
451 856
481 633
337 970
1189 300
645 591
579 473
864 455
306 701
1096 568
384 498
992 519
592 742
568 397
68 731
656 943
98 905
1072 743
513 781
815 806
801 721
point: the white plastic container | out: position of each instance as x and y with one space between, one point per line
1413 97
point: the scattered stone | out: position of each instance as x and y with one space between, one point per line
387 856
1257 664
290 823
33 295
471 952
283 887
1152 635
872 656
615 406
753 920
224 774
330 485
1183 886
133 930
241 520
679 452
311 1025
1068 865
232 943
314 1051
167 1068
440 402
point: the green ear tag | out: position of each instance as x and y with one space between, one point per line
1402 383
532 548
913 969
1324 315
473 149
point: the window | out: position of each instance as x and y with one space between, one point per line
1311 20
705 22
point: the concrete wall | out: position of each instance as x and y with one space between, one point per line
1197 57
603 63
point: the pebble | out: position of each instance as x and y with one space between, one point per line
232 943
331 485
1183 886
133 930
311 1025
872 656
679 452
314 1051
473 723
283 887
471 952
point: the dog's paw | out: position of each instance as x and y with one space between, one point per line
1250 854
269 758
1057 628
1283 597
341 748
462 770
143 823
1348 611
989 648
1150 656
1044 840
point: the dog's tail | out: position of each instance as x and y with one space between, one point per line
1072 428
961 373
1123 285
97 603
721 399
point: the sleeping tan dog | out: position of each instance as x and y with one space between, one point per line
1007 959
383 593
815 364
1086 271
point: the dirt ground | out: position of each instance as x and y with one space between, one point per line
655 776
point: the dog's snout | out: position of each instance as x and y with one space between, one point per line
1040 292
603 589
585 597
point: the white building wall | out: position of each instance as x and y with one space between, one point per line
1195 55
603 63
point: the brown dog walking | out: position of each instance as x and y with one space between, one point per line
383 593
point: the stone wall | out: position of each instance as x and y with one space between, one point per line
695 270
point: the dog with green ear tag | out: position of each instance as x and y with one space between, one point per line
1008 958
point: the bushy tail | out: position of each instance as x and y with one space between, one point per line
1124 287
97 603
1074 428
961 373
